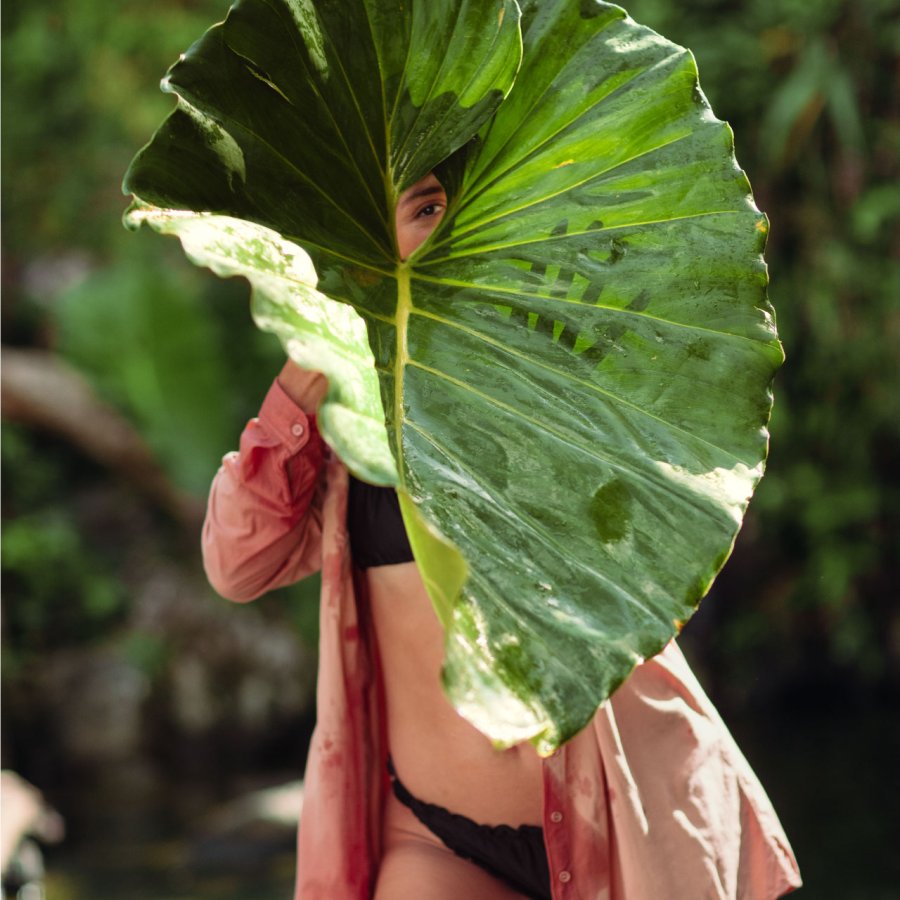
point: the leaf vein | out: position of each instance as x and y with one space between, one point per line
527 522
506 348
651 479
473 226
489 248
516 292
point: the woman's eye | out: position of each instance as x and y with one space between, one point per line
430 210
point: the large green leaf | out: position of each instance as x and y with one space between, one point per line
574 370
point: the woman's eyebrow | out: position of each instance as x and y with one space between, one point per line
422 192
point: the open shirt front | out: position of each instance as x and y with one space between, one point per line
653 800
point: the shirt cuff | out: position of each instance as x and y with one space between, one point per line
282 417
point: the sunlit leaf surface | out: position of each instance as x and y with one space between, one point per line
573 372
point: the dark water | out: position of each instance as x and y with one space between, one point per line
139 845
834 778
833 775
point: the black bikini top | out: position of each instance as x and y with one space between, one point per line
377 534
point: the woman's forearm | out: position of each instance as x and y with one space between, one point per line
262 527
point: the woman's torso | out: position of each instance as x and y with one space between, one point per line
440 757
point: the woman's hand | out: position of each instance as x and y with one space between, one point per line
305 387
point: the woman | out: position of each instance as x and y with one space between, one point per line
405 799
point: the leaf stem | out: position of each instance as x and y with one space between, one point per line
401 319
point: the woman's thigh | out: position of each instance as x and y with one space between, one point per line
416 864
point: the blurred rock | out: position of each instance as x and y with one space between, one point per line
280 805
226 664
96 698
250 830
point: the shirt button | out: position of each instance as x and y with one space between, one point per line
565 877
296 429
556 816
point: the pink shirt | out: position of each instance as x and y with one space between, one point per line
652 800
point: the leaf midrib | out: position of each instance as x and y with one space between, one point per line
401 327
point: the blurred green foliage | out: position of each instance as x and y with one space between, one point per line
171 348
811 92
137 328
71 587
78 99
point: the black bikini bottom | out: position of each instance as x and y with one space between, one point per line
516 856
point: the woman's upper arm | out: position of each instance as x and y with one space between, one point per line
263 522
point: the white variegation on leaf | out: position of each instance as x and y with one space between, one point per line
317 332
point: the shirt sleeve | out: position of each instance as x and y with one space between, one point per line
263 524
